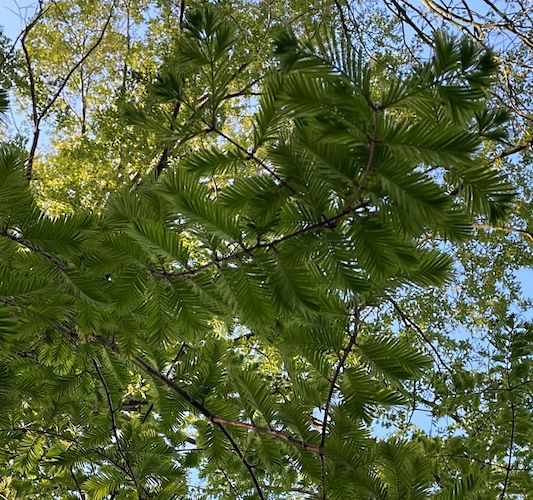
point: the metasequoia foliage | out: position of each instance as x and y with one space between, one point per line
219 316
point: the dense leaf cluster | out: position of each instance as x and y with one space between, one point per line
220 317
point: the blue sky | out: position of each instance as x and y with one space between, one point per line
10 17
525 276
12 20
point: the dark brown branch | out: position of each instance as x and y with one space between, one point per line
182 12
249 154
83 97
93 47
162 163
410 323
468 11
509 367
252 156
510 25
245 91
371 153
244 460
27 355
515 149
199 406
333 384
404 17
230 484
432 405
511 445
26 244
76 482
35 115
170 368
268 431
114 425
128 48
38 116
512 104
330 223
342 18
457 20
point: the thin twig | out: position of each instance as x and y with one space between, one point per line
38 116
170 368
521 146
114 425
332 386
523 232
93 47
76 482
199 406
252 156
244 460
511 445
163 160
35 115
231 485
329 223
409 322
404 17
509 367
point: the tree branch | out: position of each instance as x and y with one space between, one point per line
332 386
114 425
93 47
251 155
511 444
231 485
325 222
523 232
199 406
329 223
240 454
163 160
170 368
38 116
515 149
78 487
410 323
404 17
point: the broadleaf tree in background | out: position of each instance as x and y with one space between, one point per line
248 243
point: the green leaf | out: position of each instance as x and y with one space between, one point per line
393 357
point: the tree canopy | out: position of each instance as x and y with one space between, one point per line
266 250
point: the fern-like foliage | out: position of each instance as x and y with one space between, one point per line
216 318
